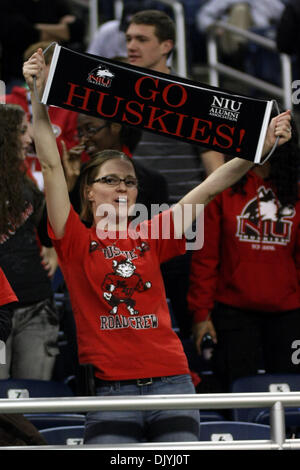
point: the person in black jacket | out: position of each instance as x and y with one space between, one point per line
31 348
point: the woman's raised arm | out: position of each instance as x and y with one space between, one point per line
56 191
227 174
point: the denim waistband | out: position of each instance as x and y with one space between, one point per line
139 382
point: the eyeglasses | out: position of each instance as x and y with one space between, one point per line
114 180
90 131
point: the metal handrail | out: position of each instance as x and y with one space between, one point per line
276 402
179 15
215 66
92 6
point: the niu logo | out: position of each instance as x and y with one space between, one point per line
225 108
101 76
226 103
263 218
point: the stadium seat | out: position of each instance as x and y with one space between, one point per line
30 388
52 420
292 417
64 435
273 383
208 415
232 431
292 420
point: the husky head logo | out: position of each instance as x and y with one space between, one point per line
268 208
101 76
124 268
265 215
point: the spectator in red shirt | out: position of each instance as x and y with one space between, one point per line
124 327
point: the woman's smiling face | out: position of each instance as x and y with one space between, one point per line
120 198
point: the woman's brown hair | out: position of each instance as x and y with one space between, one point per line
12 168
89 173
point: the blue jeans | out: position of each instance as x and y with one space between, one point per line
31 348
133 426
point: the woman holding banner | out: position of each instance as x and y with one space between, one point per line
112 271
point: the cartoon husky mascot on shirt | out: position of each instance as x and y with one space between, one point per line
121 284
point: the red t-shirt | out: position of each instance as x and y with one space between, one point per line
251 253
118 299
7 295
